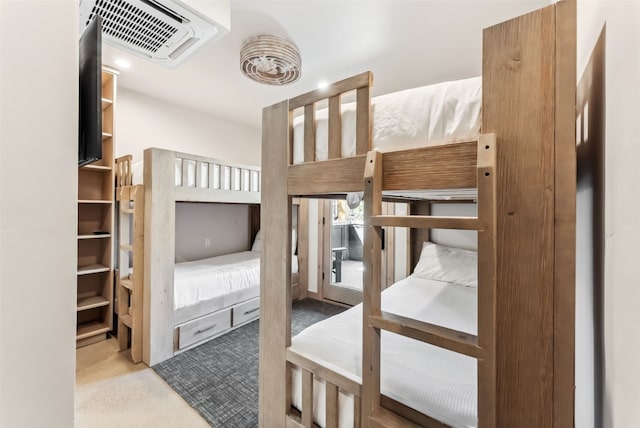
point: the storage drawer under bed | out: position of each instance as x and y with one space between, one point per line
203 328
246 311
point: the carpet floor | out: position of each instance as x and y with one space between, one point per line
219 379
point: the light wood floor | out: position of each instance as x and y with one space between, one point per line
112 392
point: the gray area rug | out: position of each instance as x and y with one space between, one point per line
219 379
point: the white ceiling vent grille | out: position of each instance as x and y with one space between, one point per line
162 31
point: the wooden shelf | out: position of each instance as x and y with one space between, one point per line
106 103
95 233
91 269
91 329
92 302
93 236
94 201
99 168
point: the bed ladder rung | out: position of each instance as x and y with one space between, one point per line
126 247
426 222
127 320
127 283
453 340
384 418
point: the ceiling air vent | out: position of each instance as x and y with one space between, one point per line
162 31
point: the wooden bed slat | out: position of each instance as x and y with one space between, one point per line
348 385
363 121
335 128
331 408
307 398
450 166
427 222
453 340
309 133
357 411
339 175
349 84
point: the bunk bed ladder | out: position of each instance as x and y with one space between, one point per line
131 269
480 346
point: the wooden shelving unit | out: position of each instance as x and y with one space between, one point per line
95 278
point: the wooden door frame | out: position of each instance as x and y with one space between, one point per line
343 294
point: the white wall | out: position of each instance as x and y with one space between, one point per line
466 239
622 205
224 227
144 121
38 194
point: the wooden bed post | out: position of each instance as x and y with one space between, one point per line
159 255
529 103
275 274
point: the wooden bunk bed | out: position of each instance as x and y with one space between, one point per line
523 166
171 326
129 287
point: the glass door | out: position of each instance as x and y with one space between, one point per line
344 239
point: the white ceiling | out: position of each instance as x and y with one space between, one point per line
404 43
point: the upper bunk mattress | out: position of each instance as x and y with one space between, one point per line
431 115
201 280
434 381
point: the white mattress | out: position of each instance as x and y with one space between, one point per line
431 115
436 382
205 279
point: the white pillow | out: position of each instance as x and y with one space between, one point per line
448 264
257 243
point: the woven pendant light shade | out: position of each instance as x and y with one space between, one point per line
270 60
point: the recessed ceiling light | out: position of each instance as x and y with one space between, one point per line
122 63
323 84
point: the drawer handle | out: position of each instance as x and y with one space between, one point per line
206 329
252 311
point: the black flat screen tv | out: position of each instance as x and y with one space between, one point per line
90 102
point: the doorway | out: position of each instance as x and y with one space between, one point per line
343 237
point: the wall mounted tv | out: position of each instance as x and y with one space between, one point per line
90 102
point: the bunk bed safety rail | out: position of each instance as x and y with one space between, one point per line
309 102
202 173
334 384
123 171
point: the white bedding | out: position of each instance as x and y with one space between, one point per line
205 279
431 115
439 383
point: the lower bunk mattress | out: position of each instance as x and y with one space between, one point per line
434 381
201 280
